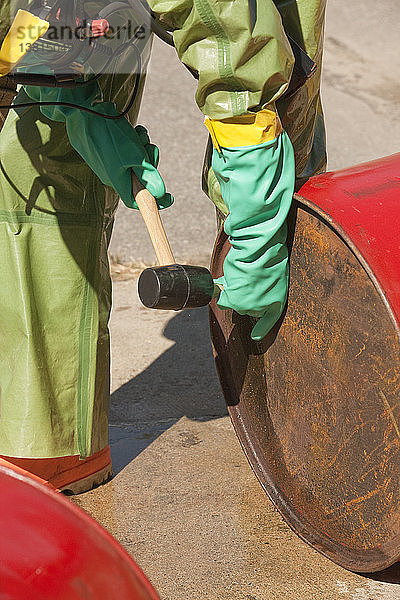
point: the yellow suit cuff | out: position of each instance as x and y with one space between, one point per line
250 129
25 31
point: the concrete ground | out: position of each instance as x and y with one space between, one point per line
184 501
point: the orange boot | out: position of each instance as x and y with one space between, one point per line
69 473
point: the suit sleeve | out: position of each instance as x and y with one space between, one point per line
238 48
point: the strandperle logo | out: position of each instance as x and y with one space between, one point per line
82 32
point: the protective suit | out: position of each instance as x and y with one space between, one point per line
300 113
56 216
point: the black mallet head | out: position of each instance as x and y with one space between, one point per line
175 287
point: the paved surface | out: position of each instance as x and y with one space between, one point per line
184 501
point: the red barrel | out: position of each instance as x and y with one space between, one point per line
52 550
316 404
363 203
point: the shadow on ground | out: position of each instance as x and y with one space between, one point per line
182 382
389 575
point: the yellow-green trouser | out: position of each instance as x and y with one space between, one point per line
55 224
56 220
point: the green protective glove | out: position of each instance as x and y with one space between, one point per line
257 184
110 148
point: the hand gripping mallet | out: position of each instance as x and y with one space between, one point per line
169 286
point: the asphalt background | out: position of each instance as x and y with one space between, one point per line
183 500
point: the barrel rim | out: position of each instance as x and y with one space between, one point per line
357 560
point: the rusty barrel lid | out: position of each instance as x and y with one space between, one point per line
316 404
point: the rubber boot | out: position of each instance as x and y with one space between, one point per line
69 474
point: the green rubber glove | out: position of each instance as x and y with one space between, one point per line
257 184
110 148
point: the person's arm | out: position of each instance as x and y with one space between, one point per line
111 148
244 63
238 48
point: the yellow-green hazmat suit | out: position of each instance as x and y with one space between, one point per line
56 216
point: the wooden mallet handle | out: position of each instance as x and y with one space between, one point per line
150 282
151 216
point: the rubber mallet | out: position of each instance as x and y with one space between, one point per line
169 286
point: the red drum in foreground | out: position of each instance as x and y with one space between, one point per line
316 404
52 550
